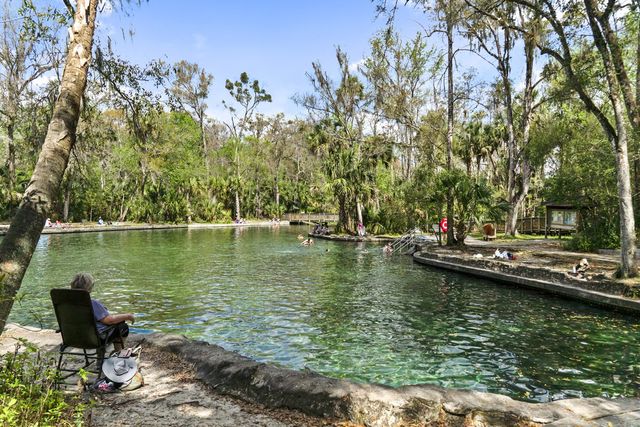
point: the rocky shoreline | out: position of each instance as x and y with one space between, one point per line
190 383
349 238
377 405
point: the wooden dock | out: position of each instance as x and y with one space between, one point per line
309 218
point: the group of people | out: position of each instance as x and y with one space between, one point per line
321 229
103 222
56 224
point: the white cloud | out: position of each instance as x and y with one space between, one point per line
43 80
353 67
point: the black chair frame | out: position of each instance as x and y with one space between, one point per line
74 313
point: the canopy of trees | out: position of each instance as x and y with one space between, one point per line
405 139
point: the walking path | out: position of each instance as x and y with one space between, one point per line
171 396
180 376
125 226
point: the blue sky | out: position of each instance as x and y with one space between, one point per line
275 41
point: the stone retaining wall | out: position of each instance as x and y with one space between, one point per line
347 238
377 405
93 228
607 294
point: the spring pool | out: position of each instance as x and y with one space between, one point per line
344 310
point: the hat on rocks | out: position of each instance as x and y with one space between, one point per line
119 369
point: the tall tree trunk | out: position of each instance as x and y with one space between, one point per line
237 195
203 137
343 217
627 220
277 196
67 202
359 211
525 128
451 239
636 128
620 97
237 171
512 149
11 158
16 249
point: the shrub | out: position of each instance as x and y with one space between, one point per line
28 392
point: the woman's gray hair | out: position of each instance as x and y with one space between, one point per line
83 281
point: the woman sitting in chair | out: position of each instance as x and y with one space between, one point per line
111 327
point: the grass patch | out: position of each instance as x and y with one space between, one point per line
28 392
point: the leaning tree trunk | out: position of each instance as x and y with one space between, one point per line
525 130
451 239
18 245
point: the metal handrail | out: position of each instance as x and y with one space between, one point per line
405 241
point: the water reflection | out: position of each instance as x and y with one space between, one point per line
344 310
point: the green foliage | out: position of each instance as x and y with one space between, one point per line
375 138
473 200
28 395
584 175
248 94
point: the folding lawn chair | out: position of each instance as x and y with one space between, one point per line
74 313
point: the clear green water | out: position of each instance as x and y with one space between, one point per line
344 310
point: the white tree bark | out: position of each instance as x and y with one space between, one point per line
16 249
